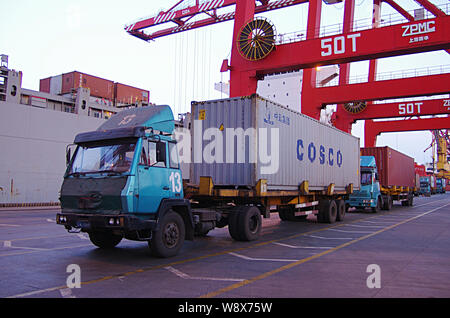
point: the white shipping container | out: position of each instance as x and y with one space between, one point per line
238 141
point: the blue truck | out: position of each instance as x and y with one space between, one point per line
425 186
124 180
381 182
369 196
440 185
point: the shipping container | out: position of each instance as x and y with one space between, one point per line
420 169
394 167
44 85
99 87
56 85
125 94
432 181
238 141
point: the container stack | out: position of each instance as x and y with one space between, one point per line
113 93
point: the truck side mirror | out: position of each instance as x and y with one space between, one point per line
68 156
69 153
161 151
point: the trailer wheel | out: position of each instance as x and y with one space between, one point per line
327 211
341 208
387 203
390 203
282 213
169 238
245 223
104 239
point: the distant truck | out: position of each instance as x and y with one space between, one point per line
440 185
386 176
425 187
249 156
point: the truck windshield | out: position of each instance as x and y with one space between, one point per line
366 177
111 157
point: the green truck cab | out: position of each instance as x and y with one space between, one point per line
124 181
369 196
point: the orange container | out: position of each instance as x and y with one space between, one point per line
44 85
125 94
99 87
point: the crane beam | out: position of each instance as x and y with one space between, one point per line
386 89
183 16
372 130
401 39
420 107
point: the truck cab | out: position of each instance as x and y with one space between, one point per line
369 196
124 181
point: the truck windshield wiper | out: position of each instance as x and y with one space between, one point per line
76 174
109 171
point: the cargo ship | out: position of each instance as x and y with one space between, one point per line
37 126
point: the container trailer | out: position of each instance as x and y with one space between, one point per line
249 156
386 176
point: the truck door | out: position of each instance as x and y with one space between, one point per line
153 176
175 178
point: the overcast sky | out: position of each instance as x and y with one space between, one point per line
50 37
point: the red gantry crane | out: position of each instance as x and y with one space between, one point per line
256 53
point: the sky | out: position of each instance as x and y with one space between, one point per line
50 37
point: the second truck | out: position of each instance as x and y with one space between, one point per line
386 176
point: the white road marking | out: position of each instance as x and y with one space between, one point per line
378 222
8 244
355 225
10 225
306 247
186 276
329 238
262 259
44 250
343 231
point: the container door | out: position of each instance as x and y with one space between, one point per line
153 176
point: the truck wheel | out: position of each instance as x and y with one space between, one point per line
169 238
245 223
327 211
104 239
341 208
378 206
282 214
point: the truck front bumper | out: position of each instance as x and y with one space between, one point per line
120 222
361 203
